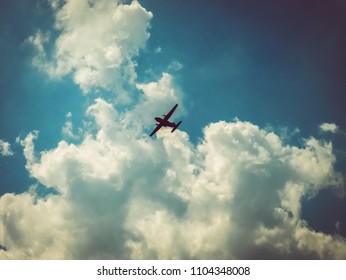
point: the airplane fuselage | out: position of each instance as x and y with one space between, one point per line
164 122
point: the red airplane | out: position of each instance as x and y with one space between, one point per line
164 122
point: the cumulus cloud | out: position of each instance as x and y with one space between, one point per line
28 147
67 129
38 41
236 194
5 148
329 127
97 43
158 98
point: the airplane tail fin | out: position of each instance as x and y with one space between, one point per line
176 126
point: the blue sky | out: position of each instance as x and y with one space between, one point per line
81 82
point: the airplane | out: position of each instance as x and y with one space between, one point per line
165 122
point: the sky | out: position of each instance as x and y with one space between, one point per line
256 170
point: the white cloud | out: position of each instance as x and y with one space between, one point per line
175 66
329 127
158 50
67 129
28 145
38 41
157 99
5 148
237 194
31 230
97 43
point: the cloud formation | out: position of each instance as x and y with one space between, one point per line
329 127
236 194
96 44
5 148
67 129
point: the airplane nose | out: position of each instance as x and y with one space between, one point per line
157 119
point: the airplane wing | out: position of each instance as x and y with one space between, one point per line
170 112
156 129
